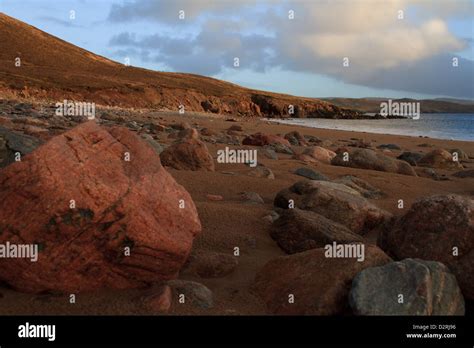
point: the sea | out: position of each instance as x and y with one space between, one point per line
439 126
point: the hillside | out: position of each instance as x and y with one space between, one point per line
439 105
52 69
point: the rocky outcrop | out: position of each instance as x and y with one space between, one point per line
309 283
409 287
369 159
299 230
438 228
102 210
334 201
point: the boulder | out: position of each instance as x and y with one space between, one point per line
369 159
318 285
296 138
425 287
188 154
411 157
299 230
439 158
194 293
310 174
85 206
361 186
334 201
437 228
320 153
260 139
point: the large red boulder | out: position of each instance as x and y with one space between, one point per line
86 198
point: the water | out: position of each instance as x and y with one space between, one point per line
440 126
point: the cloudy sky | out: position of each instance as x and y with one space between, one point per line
394 48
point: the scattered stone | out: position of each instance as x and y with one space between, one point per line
319 285
320 153
158 300
273 216
427 287
428 173
195 293
212 264
236 128
334 201
189 154
281 148
259 139
214 197
361 186
389 147
295 138
86 206
310 174
300 230
261 172
208 132
305 158
438 228
439 158
411 157
369 159
268 152
251 197
462 156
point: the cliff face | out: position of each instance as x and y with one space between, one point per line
34 64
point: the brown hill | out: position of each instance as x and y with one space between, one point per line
52 69
372 105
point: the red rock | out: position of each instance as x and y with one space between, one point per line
189 154
118 204
214 197
320 153
320 285
305 158
439 158
259 139
159 300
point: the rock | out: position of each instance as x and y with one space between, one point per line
310 174
425 145
320 153
188 133
12 143
268 152
427 173
118 204
259 139
439 158
158 300
461 155
189 154
360 143
214 197
236 128
465 174
273 216
389 147
261 172
305 158
295 138
299 230
334 201
411 157
213 264
361 186
312 139
208 132
195 293
251 198
319 285
427 287
369 159
430 230
181 125
281 148
154 144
